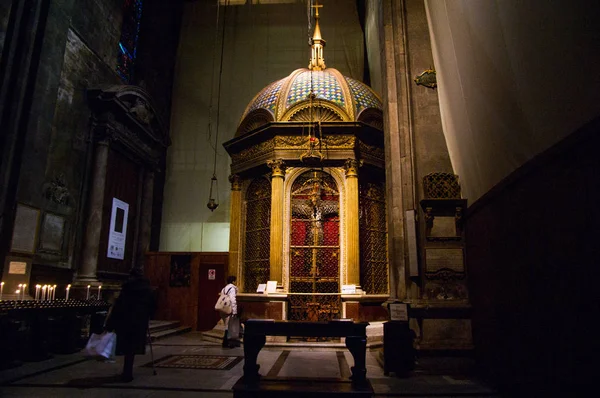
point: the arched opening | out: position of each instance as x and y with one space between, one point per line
314 247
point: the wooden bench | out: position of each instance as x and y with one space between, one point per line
256 330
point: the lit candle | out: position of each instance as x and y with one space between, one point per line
53 292
68 288
44 292
23 292
88 293
99 292
1 289
37 291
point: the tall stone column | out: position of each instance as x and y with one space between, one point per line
235 225
145 219
91 245
396 118
276 253
352 223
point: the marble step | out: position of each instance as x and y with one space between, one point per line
162 329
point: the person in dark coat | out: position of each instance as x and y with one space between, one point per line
129 319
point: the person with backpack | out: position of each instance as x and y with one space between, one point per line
228 310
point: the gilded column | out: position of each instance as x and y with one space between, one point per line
276 250
351 221
235 227
91 245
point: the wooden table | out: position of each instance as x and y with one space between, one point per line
256 330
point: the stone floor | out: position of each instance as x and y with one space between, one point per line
74 376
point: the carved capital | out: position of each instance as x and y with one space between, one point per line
236 182
351 166
277 167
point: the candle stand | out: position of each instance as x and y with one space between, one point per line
33 330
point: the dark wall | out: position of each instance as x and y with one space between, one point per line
155 70
533 258
73 48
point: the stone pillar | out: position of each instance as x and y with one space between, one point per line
91 245
394 127
276 253
352 223
145 219
235 225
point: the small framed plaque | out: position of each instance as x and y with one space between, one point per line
398 312
17 267
25 230
53 230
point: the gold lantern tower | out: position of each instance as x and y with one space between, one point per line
308 197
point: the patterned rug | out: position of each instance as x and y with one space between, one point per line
211 362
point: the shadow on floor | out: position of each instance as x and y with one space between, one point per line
91 382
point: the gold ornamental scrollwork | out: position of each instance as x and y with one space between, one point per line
371 150
289 142
340 141
331 141
253 152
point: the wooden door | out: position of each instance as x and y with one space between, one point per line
212 280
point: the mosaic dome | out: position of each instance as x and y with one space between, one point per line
336 98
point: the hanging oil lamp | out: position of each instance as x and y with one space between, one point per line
212 202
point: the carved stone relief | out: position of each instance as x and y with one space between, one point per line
56 190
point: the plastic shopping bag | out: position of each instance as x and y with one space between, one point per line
233 331
101 346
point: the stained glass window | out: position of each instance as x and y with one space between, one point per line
130 32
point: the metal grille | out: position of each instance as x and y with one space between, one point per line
314 246
258 234
441 186
373 238
315 307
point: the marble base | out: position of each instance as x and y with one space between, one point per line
301 387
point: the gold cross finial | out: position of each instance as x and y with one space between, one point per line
316 7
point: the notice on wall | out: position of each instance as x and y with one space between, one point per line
17 267
117 234
212 274
398 312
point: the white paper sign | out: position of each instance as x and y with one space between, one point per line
271 286
117 234
261 288
212 274
348 289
